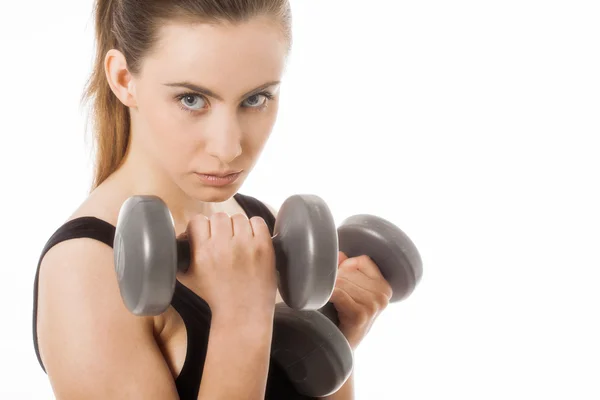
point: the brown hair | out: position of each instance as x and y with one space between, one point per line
131 27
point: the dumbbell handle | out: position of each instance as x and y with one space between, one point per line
184 252
330 312
184 255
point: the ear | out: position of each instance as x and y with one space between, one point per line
119 78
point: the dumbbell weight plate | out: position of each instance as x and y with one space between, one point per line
389 247
313 352
147 284
306 246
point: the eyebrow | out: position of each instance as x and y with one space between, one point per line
210 93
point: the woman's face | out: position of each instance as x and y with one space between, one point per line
206 101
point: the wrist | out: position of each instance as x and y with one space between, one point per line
224 318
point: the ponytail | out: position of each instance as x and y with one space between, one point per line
110 117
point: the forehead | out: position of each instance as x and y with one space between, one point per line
224 56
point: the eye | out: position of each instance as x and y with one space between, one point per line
193 102
257 100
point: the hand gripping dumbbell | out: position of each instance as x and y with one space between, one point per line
391 250
148 255
315 354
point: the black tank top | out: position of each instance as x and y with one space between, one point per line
194 311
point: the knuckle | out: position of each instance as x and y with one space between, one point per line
389 292
199 255
362 316
372 308
264 246
195 227
382 300
263 250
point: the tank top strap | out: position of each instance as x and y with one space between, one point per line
254 207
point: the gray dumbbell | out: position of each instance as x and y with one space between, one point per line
308 344
148 255
388 246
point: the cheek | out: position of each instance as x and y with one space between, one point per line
170 131
258 128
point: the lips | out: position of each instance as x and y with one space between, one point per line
218 178
220 174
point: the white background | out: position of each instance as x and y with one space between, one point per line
472 125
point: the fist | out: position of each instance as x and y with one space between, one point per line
361 293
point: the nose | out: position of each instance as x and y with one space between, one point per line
224 137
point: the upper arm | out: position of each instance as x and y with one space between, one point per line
92 347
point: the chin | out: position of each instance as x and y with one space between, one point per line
213 194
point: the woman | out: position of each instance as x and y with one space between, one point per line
185 97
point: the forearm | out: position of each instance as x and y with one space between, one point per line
237 359
346 392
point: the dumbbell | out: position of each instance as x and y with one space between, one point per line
147 253
314 353
390 249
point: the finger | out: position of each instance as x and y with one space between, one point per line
368 269
378 285
347 307
366 266
343 301
359 293
262 240
241 226
221 225
260 228
198 229
369 293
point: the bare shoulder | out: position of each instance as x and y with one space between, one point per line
78 285
77 281
90 344
82 271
